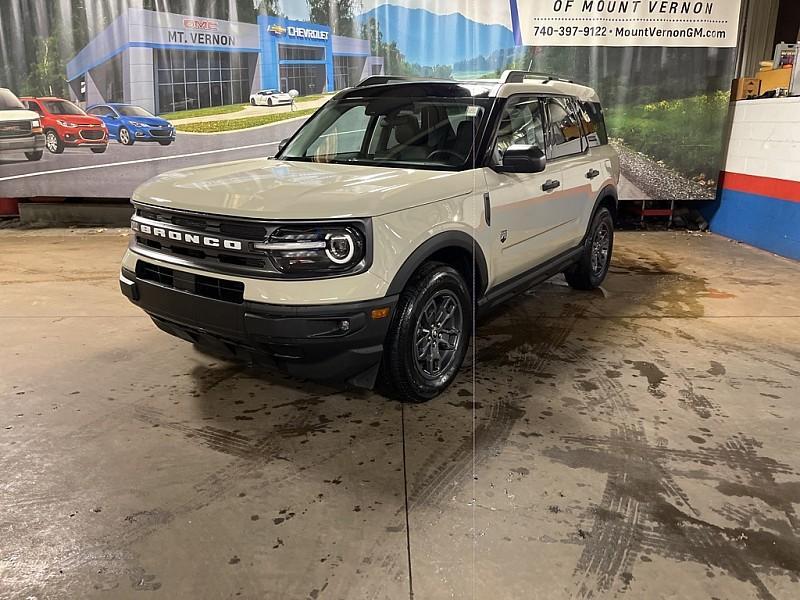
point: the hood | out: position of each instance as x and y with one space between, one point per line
151 121
79 119
272 189
18 114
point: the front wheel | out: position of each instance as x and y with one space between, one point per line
35 155
430 333
591 269
53 143
99 149
125 137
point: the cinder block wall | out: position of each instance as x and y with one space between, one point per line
759 192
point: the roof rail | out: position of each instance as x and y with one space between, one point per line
385 79
520 77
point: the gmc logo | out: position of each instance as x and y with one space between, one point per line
188 238
203 24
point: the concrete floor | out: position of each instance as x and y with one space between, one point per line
639 442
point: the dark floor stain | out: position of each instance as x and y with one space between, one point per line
716 368
655 376
586 386
697 439
235 560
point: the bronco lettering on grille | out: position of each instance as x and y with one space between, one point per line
189 238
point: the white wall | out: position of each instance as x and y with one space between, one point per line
765 138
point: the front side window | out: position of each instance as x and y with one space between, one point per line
100 111
522 122
61 107
388 131
564 134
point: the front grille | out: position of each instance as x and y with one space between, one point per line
240 260
14 129
160 133
92 134
200 285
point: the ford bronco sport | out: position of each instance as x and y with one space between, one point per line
362 250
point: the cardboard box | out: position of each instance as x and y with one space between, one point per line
745 87
774 79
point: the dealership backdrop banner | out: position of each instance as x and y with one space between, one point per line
662 67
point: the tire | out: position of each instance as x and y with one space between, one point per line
100 150
165 142
53 143
436 287
592 268
269 103
252 101
35 155
125 137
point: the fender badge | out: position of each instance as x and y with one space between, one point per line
503 236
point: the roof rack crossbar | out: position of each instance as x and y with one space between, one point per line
384 79
514 76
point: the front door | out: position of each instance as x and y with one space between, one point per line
529 219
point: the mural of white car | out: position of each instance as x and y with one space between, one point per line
270 98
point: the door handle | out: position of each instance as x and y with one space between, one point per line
550 184
592 174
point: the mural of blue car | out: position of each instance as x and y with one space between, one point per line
128 124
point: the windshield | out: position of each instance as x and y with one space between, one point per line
133 111
9 101
392 131
61 107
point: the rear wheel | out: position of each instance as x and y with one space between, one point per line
591 270
35 155
430 333
53 143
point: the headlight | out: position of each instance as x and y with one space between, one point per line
36 124
67 124
316 249
137 124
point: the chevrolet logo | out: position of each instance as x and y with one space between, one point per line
277 30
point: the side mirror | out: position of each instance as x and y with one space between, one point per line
282 144
521 158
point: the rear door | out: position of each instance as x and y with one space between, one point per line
568 149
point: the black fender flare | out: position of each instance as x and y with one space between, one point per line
441 241
609 191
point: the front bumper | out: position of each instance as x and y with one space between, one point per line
73 138
31 143
310 342
154 135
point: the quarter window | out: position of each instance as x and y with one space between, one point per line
522 122
594 124
564 135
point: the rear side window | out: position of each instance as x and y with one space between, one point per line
594 124
564 133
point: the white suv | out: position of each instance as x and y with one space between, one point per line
361 250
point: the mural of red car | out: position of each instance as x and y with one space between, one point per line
68 126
